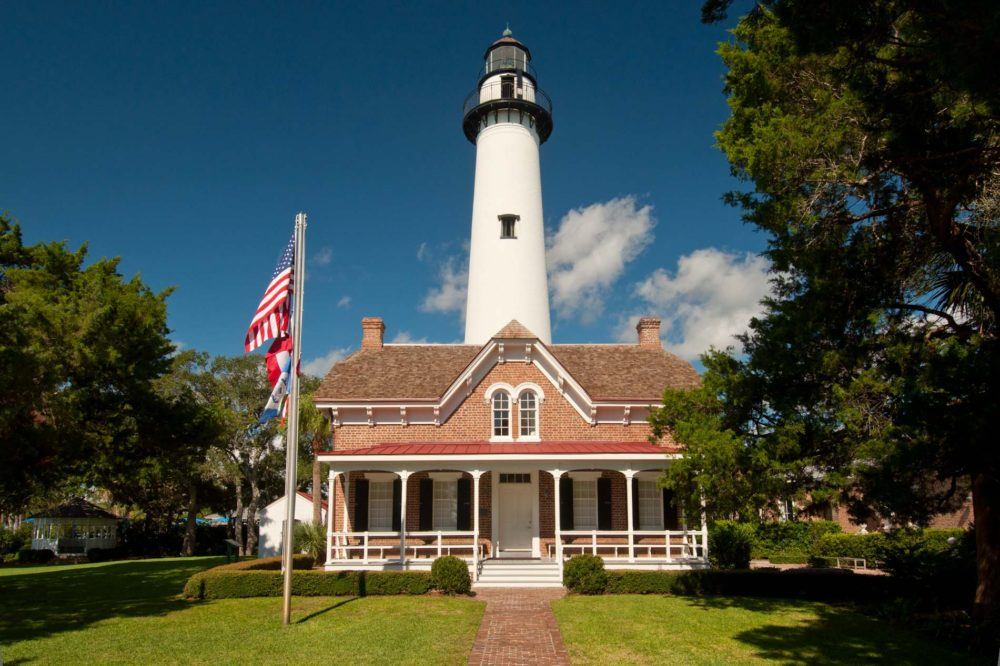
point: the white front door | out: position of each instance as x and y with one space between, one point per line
516 509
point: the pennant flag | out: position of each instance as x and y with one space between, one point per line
274 312
279 367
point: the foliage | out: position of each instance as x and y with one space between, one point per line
104 554
866 546
33 556
730 544
11 541
299 561
231 581
937 565
789 537
585 574
867 134
450 575
311 538
375 583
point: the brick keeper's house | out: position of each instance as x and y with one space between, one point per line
509 451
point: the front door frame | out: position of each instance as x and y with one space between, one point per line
495 511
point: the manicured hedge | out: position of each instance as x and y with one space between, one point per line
451 575
868 546
268 564
376 583
221 583
730 544
41 556
817 585
790 537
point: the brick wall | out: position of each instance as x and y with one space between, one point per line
557 420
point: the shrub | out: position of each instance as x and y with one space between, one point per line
824 585
395 582
103 554
730 544
585 574
451 575
310 538
29 556
867 546
299 561
937 566
774 539
12 541
223 583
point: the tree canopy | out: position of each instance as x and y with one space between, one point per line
867 135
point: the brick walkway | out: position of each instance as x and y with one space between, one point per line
519 628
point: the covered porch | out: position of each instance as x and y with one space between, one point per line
401 506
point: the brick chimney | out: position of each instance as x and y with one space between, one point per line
373 333
649 332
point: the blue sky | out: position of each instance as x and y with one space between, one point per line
184 136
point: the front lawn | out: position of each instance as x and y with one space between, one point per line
129 612
618 629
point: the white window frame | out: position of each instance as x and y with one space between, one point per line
585 503
494 411
650 499
377 502
444 504
533 433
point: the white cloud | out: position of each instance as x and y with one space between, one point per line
406 338
449 296
423 252
323 256
344 302
709 299
589 252
318 367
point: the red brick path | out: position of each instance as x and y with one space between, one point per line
519 628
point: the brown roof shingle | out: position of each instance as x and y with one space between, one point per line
514 329
424 372
413 372
608 372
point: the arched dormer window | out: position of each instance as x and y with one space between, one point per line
527 411
501 414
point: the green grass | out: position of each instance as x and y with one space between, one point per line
130 612
726 630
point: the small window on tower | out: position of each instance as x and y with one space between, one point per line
507 225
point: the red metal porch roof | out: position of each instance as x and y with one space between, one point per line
507 448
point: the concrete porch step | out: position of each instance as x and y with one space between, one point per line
511 572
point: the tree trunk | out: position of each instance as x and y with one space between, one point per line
191 531
317 482
238 518
252 508
986 513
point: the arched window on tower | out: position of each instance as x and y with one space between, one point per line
501 414
527 410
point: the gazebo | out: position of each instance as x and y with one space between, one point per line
74 527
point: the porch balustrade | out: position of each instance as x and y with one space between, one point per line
666 545
387 546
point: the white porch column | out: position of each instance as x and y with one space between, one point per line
475 523
629 500
556 475
331 494
704 530
403 477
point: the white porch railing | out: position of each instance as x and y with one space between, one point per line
665 545
354 546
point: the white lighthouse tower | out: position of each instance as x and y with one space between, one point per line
507 117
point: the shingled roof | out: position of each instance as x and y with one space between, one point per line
75 507
424 372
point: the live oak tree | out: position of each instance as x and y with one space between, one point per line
868 133
83 354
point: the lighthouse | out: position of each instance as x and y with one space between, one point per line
507 117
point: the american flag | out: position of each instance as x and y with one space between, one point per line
274 312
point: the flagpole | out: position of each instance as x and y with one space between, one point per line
292 434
